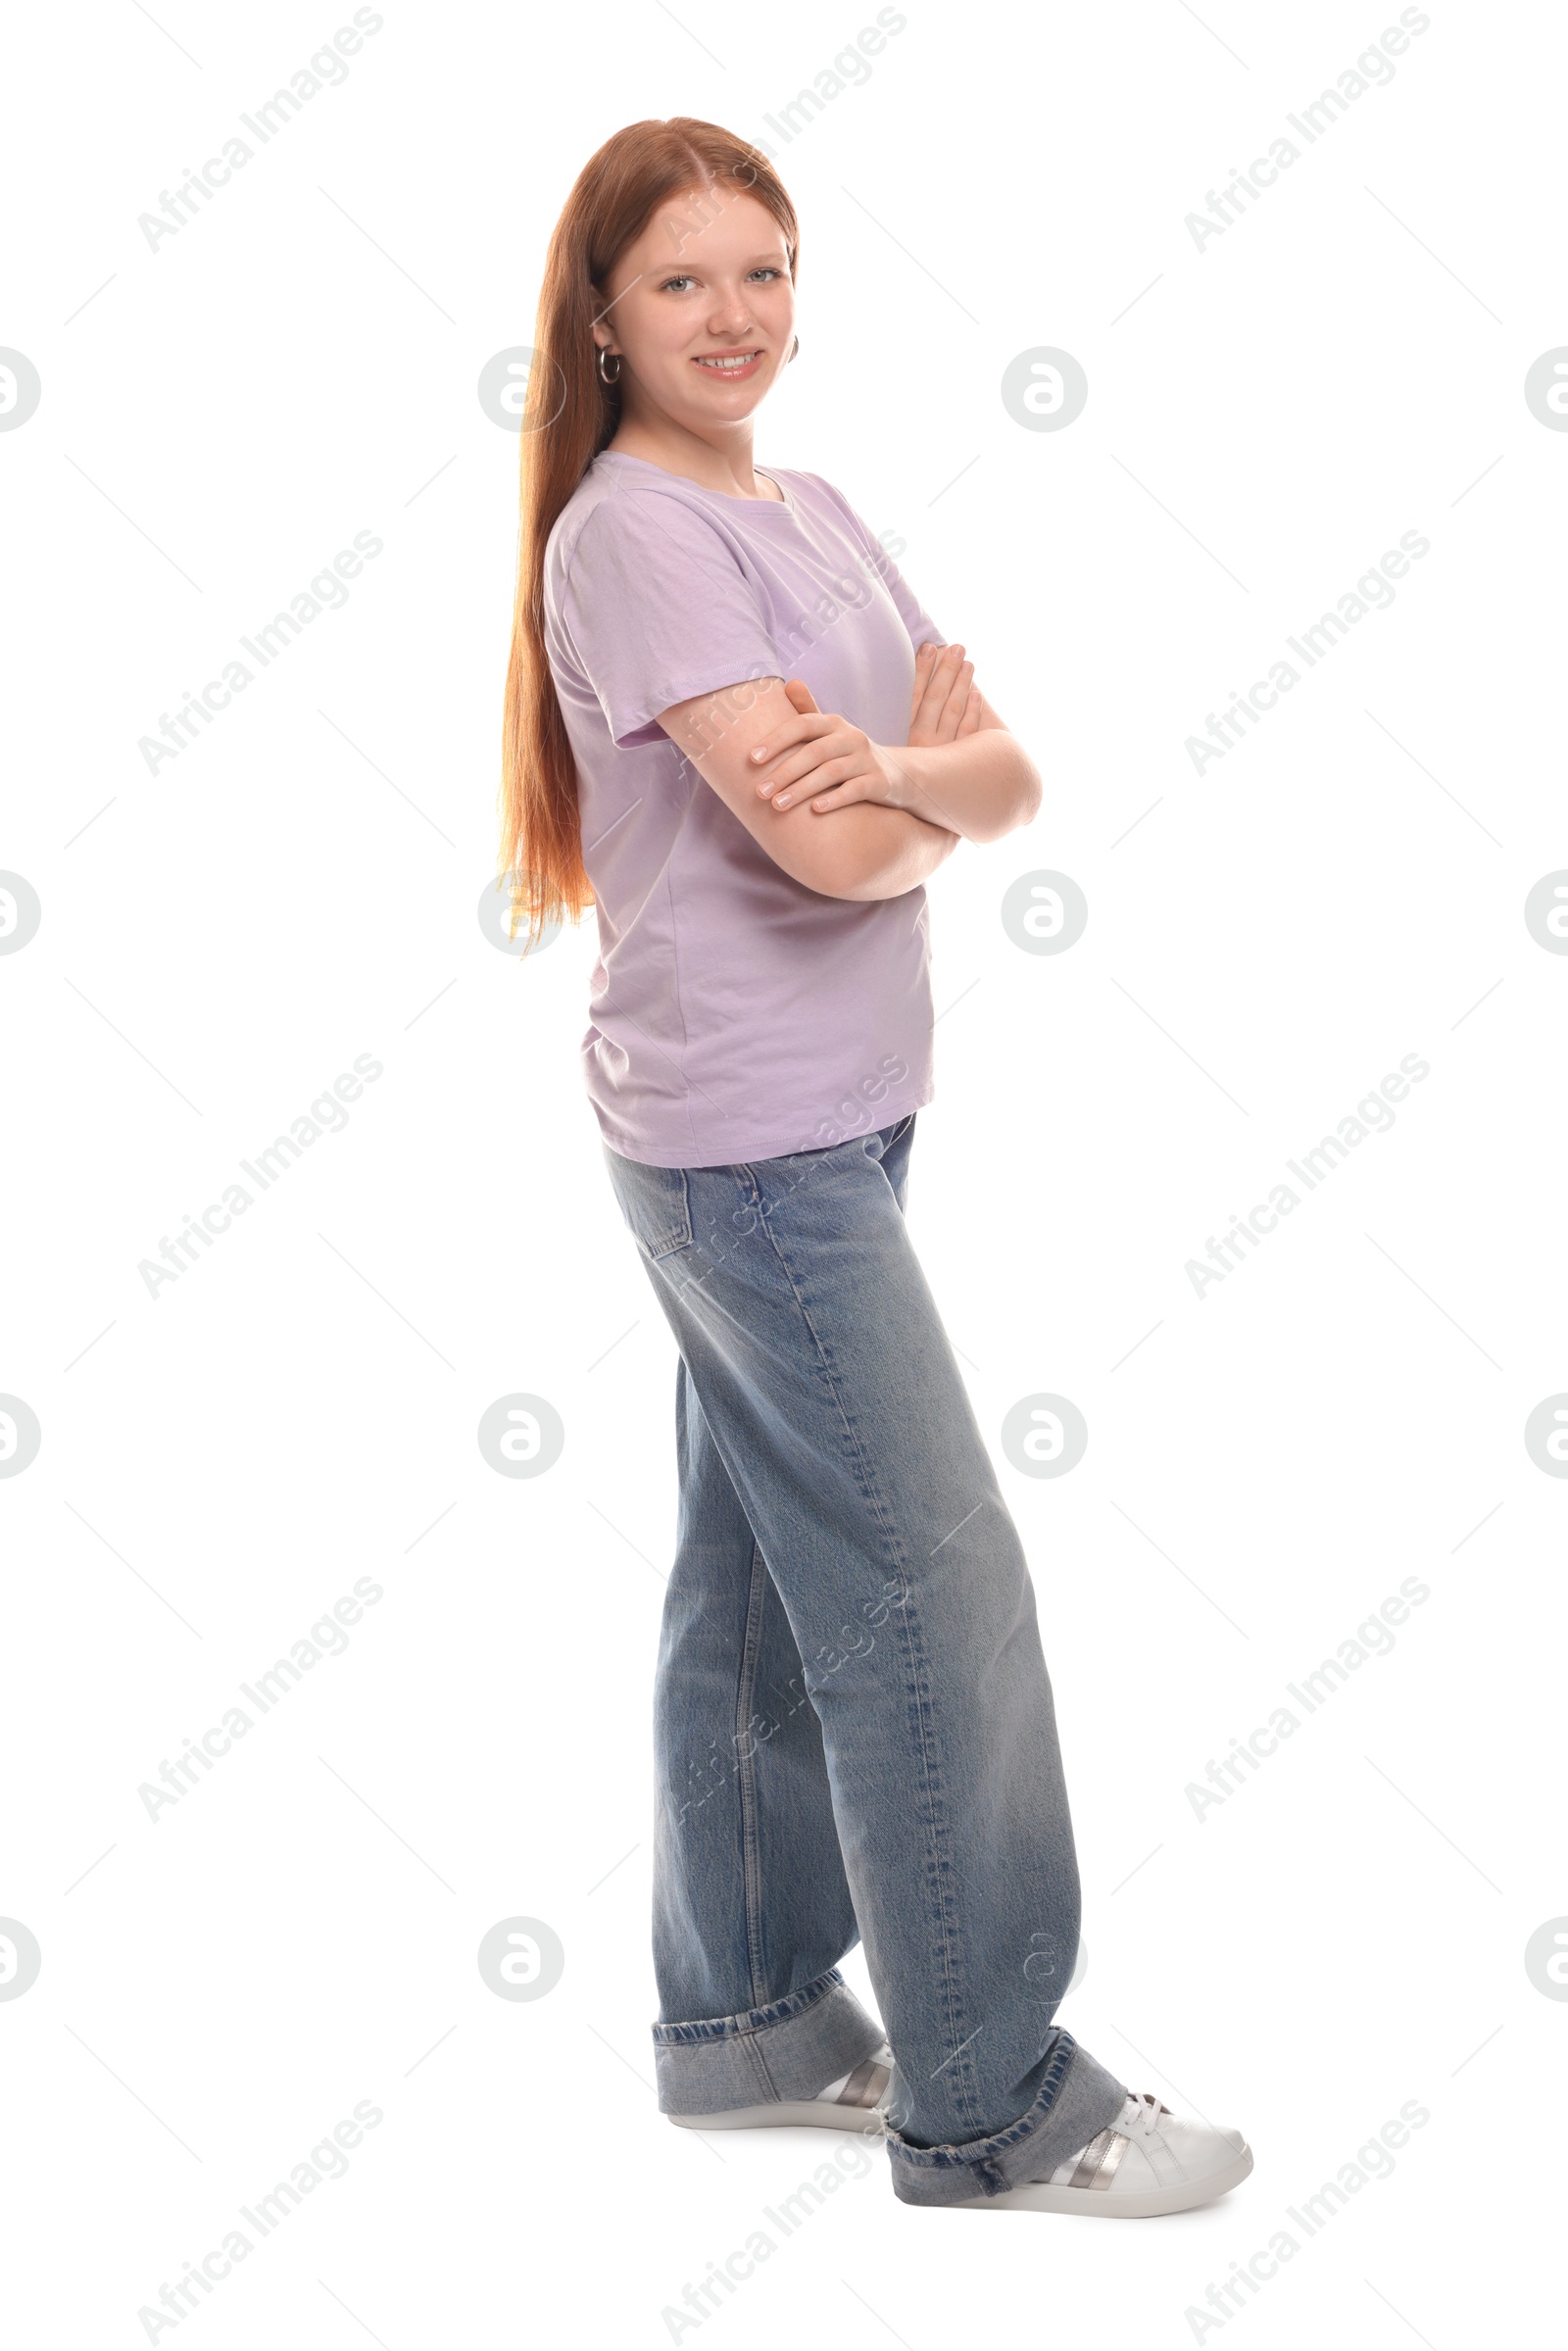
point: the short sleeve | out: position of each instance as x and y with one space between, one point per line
923 629
658 608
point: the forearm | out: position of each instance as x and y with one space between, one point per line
880 851
980 786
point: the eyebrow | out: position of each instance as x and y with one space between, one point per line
756 262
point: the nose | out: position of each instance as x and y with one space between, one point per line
733 316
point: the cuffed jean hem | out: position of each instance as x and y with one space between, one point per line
1077 2099
789 2050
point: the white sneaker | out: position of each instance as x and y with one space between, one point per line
851 2103
1148 2160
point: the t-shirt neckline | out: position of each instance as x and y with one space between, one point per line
784 505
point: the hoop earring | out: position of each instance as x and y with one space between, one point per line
791 353
608 354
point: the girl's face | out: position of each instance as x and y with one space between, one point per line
709 279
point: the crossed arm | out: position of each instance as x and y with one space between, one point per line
780 764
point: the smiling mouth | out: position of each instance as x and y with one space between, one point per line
728 363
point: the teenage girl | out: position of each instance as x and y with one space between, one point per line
732 727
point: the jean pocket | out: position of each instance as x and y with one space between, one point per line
882 1140
655 1205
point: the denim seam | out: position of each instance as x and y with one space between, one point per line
911 1639
746 1772
675 1234
963 2083
715 1264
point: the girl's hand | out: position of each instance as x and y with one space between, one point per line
819 756
947 703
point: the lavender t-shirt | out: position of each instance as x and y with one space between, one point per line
736 1014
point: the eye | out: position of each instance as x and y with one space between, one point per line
768 271
681 277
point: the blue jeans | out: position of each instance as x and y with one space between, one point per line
854 1737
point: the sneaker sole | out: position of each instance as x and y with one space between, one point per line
802 2113
1103 2204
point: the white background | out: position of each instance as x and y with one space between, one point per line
1266 1464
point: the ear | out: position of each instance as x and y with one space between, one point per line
800 694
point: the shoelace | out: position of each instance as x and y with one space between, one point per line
1144 2120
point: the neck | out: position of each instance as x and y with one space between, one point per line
726 467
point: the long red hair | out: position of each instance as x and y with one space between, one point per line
570 414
